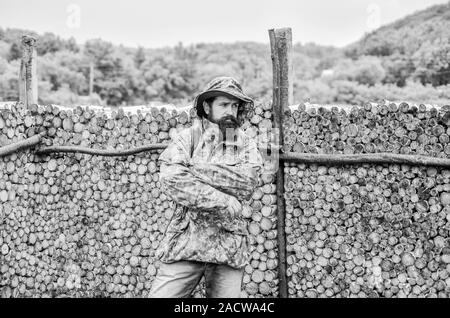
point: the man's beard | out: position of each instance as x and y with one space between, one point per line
227 126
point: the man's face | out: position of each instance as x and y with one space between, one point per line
223 111
221 107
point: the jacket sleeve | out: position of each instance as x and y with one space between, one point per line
181 184
240 179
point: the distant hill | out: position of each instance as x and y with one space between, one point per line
406 36
417 45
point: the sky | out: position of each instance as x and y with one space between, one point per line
150 23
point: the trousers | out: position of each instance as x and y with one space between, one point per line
179 279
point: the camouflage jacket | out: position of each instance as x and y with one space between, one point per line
201 228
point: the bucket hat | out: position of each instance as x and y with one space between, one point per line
220 86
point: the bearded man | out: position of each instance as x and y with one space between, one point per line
208 170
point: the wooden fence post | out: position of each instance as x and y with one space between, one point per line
28 88
281 48
91 79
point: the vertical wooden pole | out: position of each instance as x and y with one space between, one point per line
22 81
91 78
28 88
281 48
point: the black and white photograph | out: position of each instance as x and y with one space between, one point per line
250 151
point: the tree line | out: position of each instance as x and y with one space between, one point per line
405 60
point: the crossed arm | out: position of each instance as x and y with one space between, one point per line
238 181
190 191
205 185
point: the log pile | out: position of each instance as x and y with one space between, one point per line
386 127
84 225
368 230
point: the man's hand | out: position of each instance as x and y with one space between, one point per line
234 207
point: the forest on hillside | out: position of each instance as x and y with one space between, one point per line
408 60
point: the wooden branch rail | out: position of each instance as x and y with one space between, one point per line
299 157
100 152
23 144
373 158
